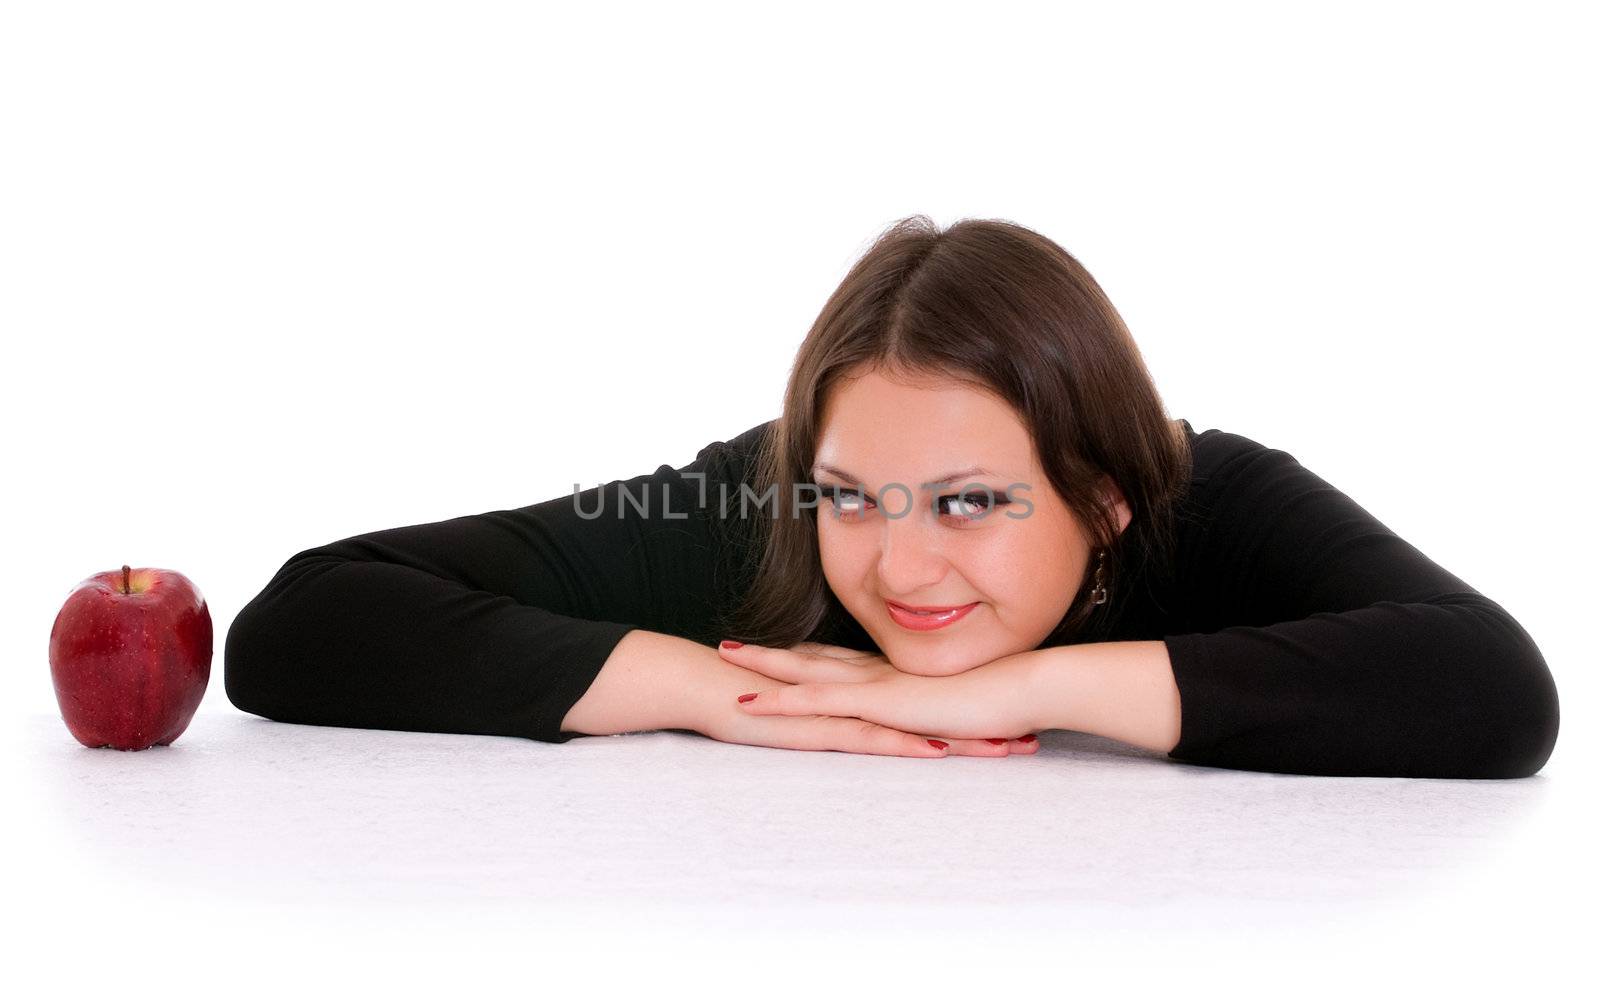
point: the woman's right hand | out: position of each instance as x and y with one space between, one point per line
717 719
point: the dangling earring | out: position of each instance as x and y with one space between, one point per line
1098 595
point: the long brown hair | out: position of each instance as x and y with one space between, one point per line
1002 308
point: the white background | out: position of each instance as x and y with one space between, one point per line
275 274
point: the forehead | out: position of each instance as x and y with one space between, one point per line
916 429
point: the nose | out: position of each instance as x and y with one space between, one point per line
909 558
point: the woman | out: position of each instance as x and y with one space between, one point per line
973 521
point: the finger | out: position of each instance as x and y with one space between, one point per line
1023 746
830 651
989 747
807 700
856 701
843 734
849 734
791 666
984 748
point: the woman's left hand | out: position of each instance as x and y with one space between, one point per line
982 702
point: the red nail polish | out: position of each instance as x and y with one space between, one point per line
747 698
938 744
995 741
732 644
1028 739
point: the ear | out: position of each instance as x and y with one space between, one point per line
1111 494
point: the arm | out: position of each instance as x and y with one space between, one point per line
494 623
1320 642
1114 689
656 681
650 681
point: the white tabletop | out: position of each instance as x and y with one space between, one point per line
275 844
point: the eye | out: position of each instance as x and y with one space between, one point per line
846 503
971 506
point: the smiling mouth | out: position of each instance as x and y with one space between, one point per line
927 618
910 608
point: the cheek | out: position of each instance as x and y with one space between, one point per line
1029 571
845 557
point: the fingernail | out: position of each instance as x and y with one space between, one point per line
747 698
938 744
995 741
1028 739
732 644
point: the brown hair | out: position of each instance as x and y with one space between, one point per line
997 306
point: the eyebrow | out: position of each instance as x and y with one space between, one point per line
949 477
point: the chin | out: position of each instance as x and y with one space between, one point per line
935 660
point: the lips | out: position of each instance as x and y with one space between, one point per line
927 618
927 608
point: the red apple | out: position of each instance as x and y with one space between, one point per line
130 655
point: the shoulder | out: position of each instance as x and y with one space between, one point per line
1240 485
1227 462
732 459
1219 454
1247 498
747 442
742 446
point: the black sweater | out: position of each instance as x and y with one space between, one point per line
1305 636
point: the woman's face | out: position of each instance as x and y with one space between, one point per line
885 536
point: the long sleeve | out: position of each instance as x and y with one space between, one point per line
495 623
1323 643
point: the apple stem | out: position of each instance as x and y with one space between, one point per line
125 588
